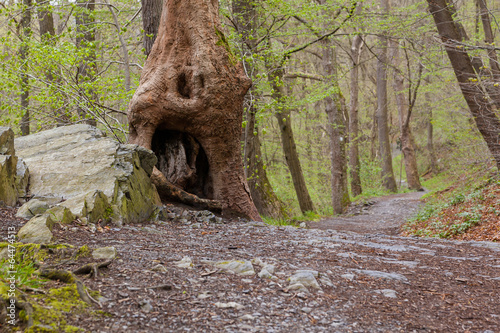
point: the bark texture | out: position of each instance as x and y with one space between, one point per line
190 96
88 65
23 55
151 16
354 164
336 130
481 109
283 116
404 110
263 195
388 180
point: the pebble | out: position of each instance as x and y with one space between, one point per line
185 262
232 305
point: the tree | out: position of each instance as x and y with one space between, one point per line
476 97
85 40
354 164
382 119
151 16
263 195
23 54
190 97
405 109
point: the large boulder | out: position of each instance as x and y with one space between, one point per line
8 168
94 176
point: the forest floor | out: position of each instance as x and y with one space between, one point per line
356 275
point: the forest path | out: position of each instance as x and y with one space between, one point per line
382 215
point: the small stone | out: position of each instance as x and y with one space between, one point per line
240 267
348 276
185 262
159 268
205 294
325 280
387 293
37 230
32 208
108 253
247 280
303 225
171 216
297 287
232 305
196 225
92 227
306 309
247 317
61 214
306 278
264 274
146 306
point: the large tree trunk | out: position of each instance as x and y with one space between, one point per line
354 164
404 111
23 55
336 130
151 16
264 198
188 109
388 180
487 122
288 142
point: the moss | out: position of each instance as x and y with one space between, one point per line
83 251
223 42
52 310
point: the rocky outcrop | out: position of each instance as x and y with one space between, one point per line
13 171
94 176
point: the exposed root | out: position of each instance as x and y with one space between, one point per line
84 294
58 274
169 191
92 268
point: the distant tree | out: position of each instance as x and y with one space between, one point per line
475 94
25 34
151 16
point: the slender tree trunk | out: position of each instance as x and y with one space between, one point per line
151 16
88 65
494 72
354 164
430 135
486 120
23 55
336 131
48 35
288 142
388 180
407 148
190 97
263 195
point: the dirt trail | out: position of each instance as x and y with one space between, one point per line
383 215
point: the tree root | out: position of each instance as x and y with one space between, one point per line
92 268
84 294
170 192
58 274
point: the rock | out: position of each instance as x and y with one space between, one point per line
247 317
186 262
348 276
383 275
4 253
98 177
306 278
325 280
240 267
306 309
265 274
38 230
8 166
205 294
61 214
22 178
387 293
107 253
159 268
146 306
299 287
32 208
233 305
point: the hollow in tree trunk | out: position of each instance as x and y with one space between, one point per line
188 110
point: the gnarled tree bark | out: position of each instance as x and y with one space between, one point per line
188 109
